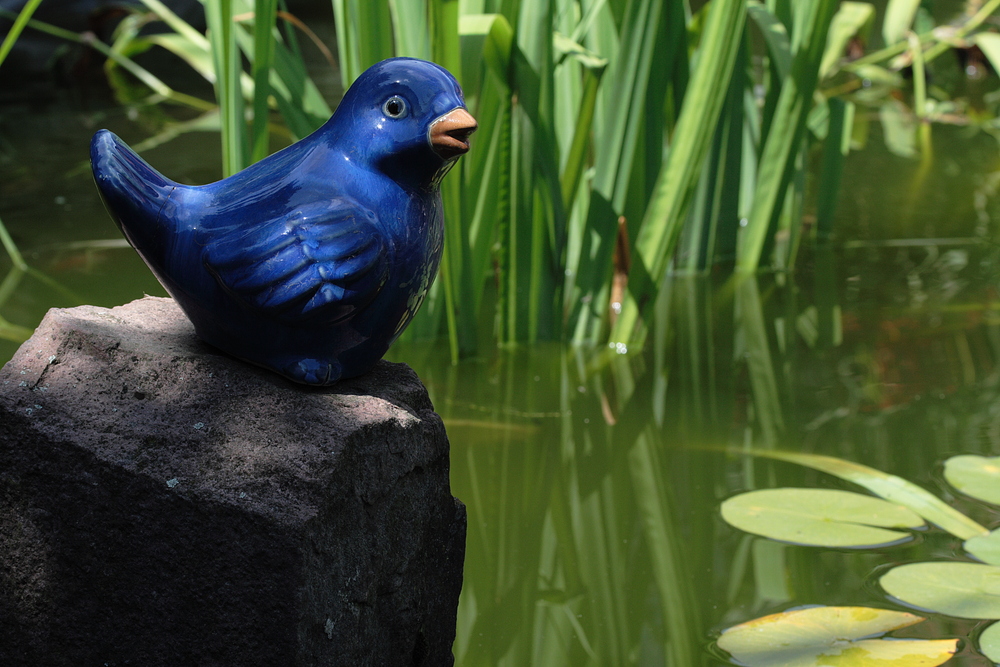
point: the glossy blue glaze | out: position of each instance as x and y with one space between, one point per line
312 261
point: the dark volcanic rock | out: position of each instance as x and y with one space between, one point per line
162 503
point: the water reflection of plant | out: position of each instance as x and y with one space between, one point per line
19 270
592 506
579 556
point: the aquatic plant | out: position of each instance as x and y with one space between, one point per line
628 139
845 519
621 140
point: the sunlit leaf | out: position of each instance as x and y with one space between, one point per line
177 24
775 35
787 129
889 487
989 43
195 55
898 19
819 517
879 75
850 19
976 476
499 39
207 122
989 642
985 547
832 636
964 590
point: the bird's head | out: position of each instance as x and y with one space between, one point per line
407 118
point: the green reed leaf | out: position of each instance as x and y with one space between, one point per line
775 35
228 68
898 19
675 183
263 50
15 30
786 132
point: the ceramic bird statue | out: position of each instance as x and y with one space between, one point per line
312 261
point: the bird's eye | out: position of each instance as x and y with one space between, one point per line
394 107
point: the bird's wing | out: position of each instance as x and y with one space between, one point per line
320 262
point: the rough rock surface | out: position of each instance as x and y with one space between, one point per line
162 503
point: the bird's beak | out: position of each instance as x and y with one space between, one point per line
449 134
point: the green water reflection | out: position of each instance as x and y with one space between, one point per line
593 479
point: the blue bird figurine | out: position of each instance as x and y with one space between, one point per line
312 261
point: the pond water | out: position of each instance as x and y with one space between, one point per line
593 479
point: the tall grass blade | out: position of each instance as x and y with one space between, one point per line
622 110
299 101
15 30
775 35
919 78
713 221
177 24
575 162
458 282
675 184
835 149
346 57
263 49
488 39
412 29
198 57
788 128
228 68
364 36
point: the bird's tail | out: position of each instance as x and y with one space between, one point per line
133 192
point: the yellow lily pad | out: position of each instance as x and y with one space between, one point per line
844 636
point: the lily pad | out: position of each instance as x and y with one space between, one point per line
985 547
963 590
844 636
820 517
989 642
888 487
976 476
